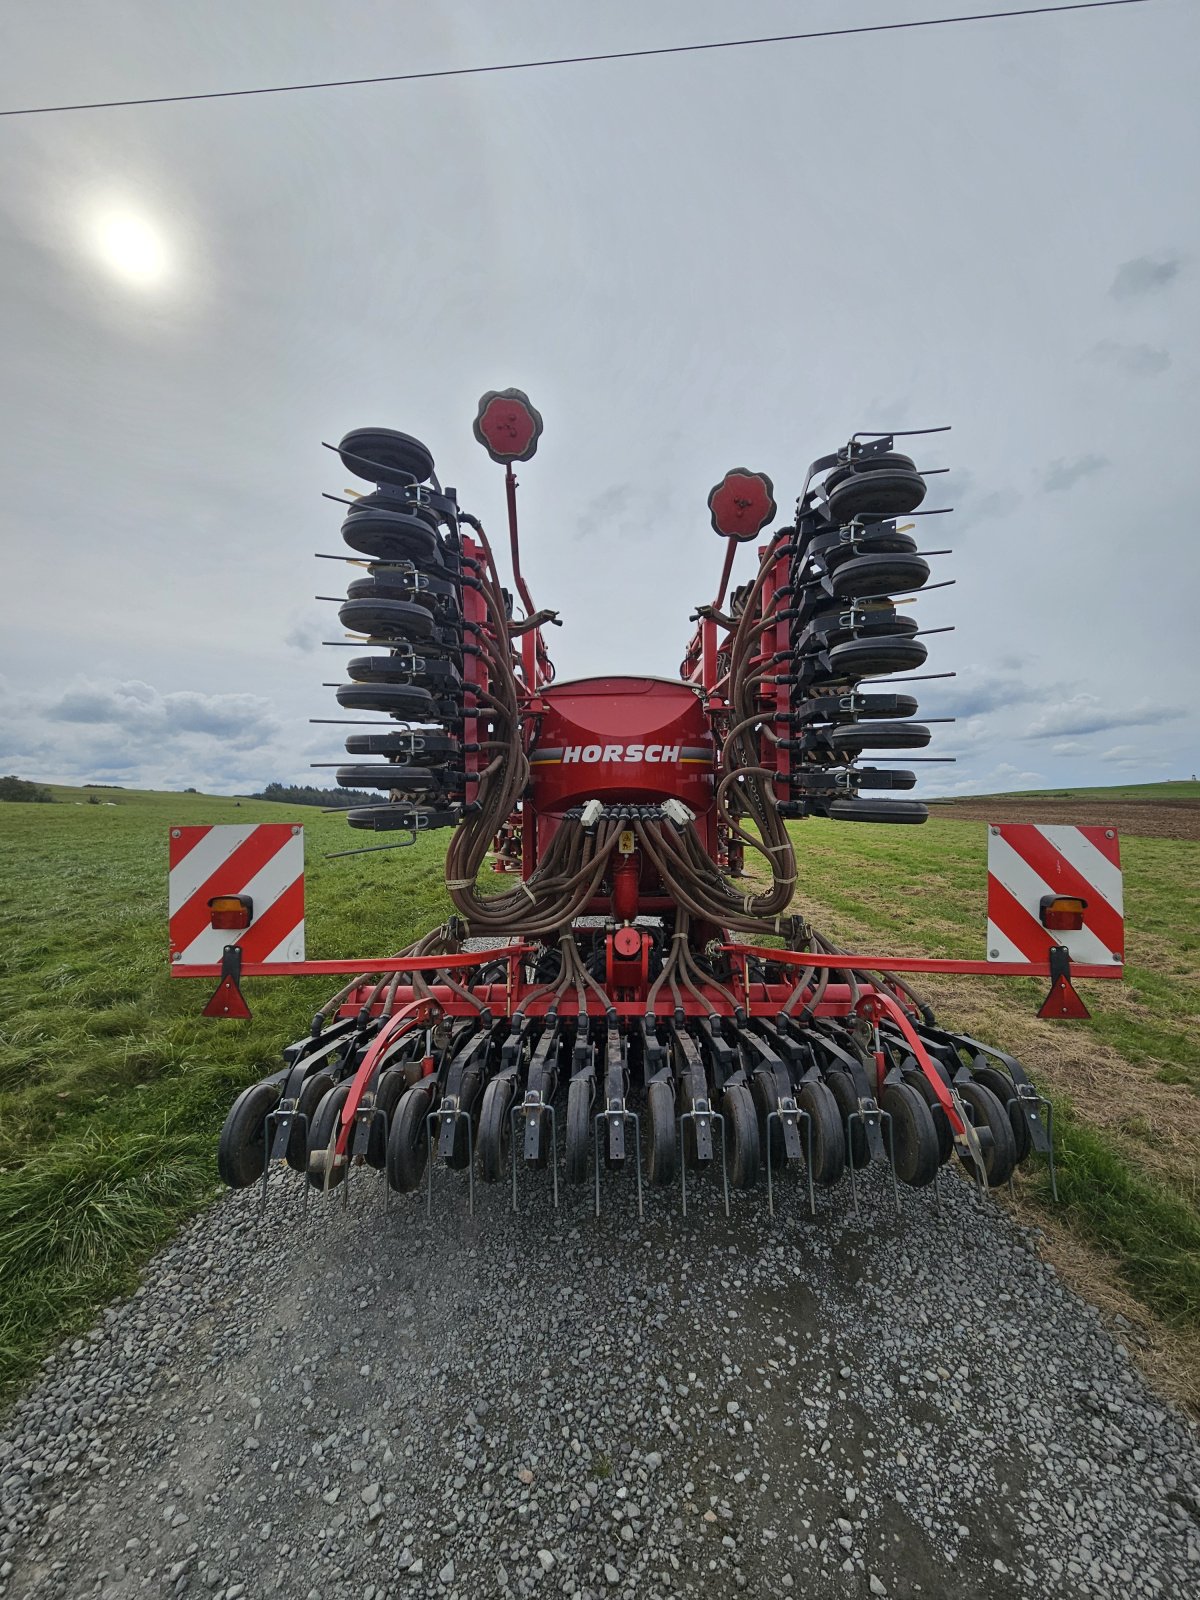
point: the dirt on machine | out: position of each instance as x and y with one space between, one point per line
626 992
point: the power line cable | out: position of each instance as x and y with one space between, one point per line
571 61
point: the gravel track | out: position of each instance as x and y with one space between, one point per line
384 1405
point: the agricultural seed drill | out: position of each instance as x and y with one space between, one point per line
643 994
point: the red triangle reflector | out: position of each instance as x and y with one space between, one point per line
1062 1001
228 1001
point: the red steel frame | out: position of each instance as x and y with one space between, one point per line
756 999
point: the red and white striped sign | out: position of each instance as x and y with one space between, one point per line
263 860
1026 862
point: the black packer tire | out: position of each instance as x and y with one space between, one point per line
390 536
322 1172
869 810
408 1145
400 815
391 1085
381 618
885 491
741 1130
770 1132
495 1129
869 657
392 777
241 1148
828 1135
841 1086
832 707
660 1114
397 700
1003 1088
878 539
383 455
878 461
917 1080
422 747
914 1139
1000 1157
579 1129
312 1091
465 1123
880 736
866 577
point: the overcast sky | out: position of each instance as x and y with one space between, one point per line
690 263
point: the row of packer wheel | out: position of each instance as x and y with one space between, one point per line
851 562
668 1101
408 608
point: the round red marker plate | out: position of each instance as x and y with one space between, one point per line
742 504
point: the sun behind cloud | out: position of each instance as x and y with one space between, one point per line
132 247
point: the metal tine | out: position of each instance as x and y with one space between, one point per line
449 1114
703 1109
1020 1100
527 1105
895 433
273 1119
795 1113
624 1115
884 1119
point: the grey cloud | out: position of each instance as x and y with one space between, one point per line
303 635
139 710
130 732
1139 360
1003 777
1087 713
997 503
609 511
975 505
125 703
1144 275
221 716
1061 475
975 692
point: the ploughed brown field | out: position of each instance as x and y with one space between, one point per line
1158 819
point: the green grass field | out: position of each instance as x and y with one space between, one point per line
1177 792
113 1088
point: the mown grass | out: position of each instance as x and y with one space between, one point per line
112 1087
1127 1152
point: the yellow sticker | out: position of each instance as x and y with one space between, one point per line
626 844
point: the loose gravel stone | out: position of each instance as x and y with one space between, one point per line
546 1403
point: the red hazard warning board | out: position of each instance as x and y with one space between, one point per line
1032 864
259 864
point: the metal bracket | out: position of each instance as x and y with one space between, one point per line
614 1116
533 1103
448 1115
790 1116
705 1119
875 1122
1062 1001
228 1000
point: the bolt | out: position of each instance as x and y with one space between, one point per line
993 955
1110 833
176 833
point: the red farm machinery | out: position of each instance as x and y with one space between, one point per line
630 986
